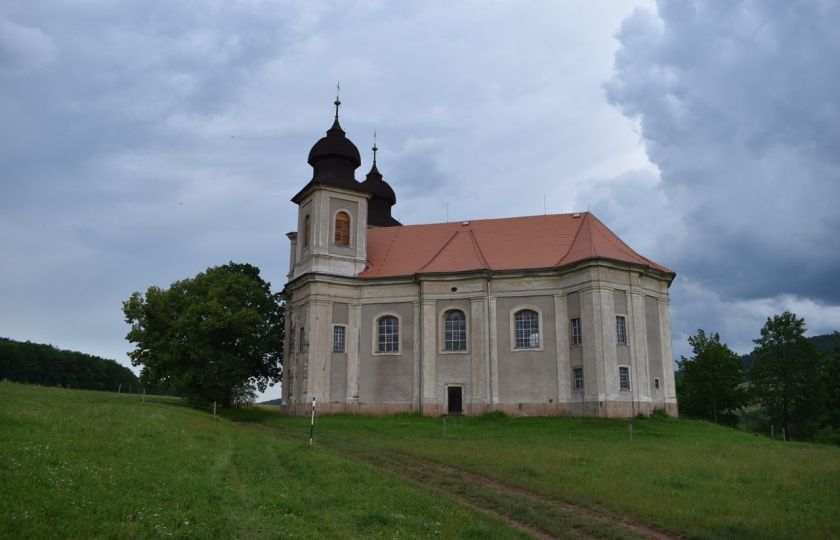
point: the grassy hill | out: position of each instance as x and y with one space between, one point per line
90 464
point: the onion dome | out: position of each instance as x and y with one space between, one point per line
379 206
335 158
375 185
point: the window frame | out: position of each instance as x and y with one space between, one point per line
443 330
349 243
621 331
575 379
656 385
621 388
540 328
576 337
375 334
343 327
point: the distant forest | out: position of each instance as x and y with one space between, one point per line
824 343
34 363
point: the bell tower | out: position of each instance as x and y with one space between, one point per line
331 235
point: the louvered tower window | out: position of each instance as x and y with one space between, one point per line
342 229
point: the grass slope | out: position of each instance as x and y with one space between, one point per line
687 477
83 464
89 464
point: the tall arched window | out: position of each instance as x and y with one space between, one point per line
342 229
454 330
388 334
306 226
527 329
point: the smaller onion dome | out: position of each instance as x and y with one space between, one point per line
379 206
378 187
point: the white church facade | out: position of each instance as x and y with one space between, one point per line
537 315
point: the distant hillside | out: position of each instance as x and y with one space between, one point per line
35 363
277 401
824 343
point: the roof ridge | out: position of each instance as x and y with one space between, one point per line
435 256
574 240
478 250
622 245
457 222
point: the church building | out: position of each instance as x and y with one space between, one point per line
533 315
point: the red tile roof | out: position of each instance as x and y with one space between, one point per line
520 243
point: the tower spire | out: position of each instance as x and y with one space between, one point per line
337 101
374 148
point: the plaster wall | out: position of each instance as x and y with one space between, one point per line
654 340
526 375
386 377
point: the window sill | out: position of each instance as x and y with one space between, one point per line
463 351
526 349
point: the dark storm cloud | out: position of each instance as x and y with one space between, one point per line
739 108
145 141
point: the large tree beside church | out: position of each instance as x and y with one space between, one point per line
787 375
709 386
216 337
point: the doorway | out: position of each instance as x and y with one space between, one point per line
454 400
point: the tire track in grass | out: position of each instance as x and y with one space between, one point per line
523 509
520 508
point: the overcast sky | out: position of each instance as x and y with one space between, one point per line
143 141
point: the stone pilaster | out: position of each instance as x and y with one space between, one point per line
429 356
494 353
354 329
478 363
668 384
561 334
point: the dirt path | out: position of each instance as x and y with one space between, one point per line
523 509
528 511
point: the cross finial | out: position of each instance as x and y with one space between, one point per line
374 147
337 101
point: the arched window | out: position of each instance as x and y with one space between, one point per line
388 334
454 330
306 227
527 329
342 229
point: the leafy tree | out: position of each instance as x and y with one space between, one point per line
831 376
708 386
786 375
215 337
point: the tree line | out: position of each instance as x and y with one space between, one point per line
787 385
36 363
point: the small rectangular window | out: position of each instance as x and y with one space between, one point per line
656 383
620 330
577 337
578 378
302 339
338 338
624 378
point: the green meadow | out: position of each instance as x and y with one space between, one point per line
90 464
